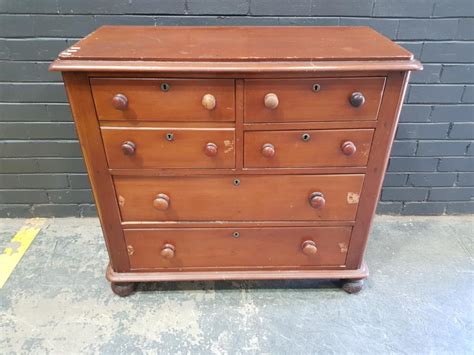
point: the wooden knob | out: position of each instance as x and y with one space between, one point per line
161 202
129 148
120 102
348 148
209 102
168 251
271 101
316 200
357 99
268 150
210 149
309 247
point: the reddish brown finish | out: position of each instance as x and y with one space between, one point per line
181 100
229 43
259 155
323 148
348 148
187 147
297 101
309 247
218 247
254 198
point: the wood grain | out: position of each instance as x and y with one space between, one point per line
298 102
148 102
256 198
323 149
187 149
219 247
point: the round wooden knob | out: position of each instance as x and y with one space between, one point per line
120 102
309 247
268 150
316 200
209 102
129 148
168 251
357 99
210 149
271 101
348 148
161 202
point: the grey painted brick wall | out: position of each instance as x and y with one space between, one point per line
432 166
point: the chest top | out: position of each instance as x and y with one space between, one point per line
234 49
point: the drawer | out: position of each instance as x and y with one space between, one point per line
164 99
239 198
242 247
330 99
147 147
304 149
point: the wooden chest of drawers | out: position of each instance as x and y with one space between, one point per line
235 152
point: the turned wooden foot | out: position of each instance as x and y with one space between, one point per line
123 289
352 286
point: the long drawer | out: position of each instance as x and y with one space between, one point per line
172 147
309 148
243 247
164 99
239 198
318 99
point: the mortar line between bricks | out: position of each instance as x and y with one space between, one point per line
248 14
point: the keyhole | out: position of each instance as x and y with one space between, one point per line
305 137
165 87
236 182
316 87
236 234
169 136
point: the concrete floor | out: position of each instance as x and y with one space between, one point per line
418 300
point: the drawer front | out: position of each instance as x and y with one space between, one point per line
304 149
239 198
281 100
164 99
142 148
242 247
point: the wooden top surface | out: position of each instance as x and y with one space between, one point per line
235 44
234 50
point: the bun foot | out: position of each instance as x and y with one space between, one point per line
123 289
352 286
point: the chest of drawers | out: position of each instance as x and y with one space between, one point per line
235 152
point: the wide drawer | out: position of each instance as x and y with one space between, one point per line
330 99
242 247
164 99
147 147
311 148
239 198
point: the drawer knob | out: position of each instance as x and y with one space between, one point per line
271 101
209 102
129 148
161 202
316 200
348 148
210 149
168 251
357 99
309 247
268 150
120 102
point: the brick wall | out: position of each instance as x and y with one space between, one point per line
431 170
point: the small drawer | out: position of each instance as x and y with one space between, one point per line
164 99
240 247
305 149
147 147
239 198
318 99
